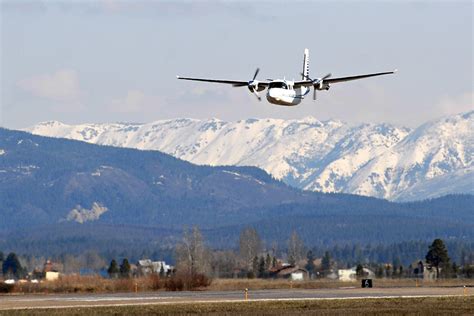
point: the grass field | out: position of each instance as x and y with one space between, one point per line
96 284
267 284
385 306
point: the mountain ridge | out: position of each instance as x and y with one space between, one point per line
379 160
59 193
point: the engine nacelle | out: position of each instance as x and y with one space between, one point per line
322 86
255 87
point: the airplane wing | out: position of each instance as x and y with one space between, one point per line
308 83
232 82
342 79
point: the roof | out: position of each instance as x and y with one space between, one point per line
289 270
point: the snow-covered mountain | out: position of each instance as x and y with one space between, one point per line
379 160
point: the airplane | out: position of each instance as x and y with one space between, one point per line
285 92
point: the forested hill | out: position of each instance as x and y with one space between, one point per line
64 194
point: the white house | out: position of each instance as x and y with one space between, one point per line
51 275
146 266
347 275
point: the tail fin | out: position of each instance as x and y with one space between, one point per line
306 64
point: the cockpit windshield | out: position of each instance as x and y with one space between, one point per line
278 84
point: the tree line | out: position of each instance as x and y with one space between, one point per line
253 257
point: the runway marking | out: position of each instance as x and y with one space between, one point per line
232 301
92 299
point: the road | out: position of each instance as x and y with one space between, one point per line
81 300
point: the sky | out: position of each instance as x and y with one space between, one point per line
110 61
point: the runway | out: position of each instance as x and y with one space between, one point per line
18 301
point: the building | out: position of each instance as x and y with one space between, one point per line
146 266
50 271
348 275
51 275
424 271
289 272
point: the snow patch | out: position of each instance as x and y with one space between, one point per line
379 160
82 215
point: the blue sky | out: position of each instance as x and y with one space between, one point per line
107 61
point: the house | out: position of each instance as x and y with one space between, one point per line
146 266
50 271
289 272
51 275
424 270
348 275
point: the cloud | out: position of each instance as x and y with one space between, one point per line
136 101
24 6
456 104
63 85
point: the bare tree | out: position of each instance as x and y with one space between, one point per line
192 255
92 260
250 245
296 248
223 264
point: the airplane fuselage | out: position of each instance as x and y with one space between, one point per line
282 97
281 92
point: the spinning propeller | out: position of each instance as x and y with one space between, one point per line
316 83
252 85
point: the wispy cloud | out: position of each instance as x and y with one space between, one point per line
62 85
456 104
136 101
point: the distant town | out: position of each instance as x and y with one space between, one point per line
196 266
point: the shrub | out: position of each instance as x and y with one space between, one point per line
174 283
6 288
181 282
156 282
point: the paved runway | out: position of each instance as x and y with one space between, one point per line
79 300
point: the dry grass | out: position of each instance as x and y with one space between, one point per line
97 284
90 284
267 284
392 306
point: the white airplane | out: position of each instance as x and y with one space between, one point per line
285 92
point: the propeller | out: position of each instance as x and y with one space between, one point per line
252 85
316 82
256 73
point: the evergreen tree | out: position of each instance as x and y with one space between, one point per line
379 271
437 256
291 260
310 263
359 271
125 268
326 262
261 267
268 262
11 267
113 269
162 271
1 256
274 262
255 265
454 270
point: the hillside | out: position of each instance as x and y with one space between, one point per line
378 160
58 193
